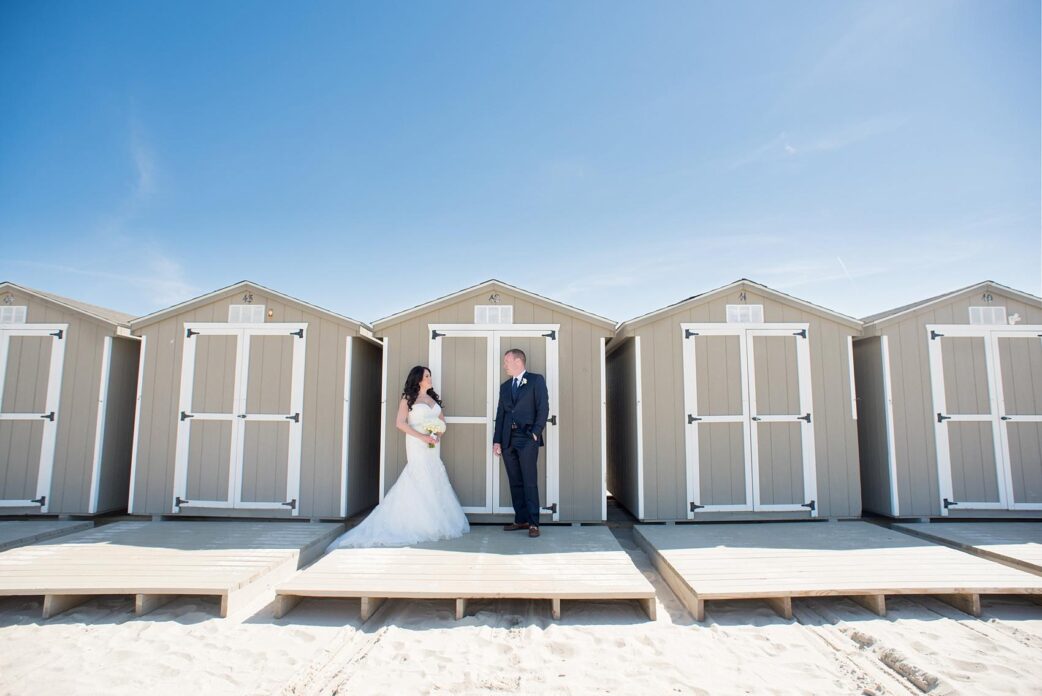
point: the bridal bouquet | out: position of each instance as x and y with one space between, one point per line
435 427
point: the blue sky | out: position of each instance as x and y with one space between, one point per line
369 156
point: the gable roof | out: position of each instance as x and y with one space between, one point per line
781 296
208 297
903 309
108 316
582 314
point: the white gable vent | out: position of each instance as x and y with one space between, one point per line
10 314
494 314
988 315
745 314
245 314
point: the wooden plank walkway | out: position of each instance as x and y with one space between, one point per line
1018 544
564 563
15 533
778 561
159 561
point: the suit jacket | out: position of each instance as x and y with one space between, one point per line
528 411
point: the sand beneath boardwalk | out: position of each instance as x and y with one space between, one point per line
832 646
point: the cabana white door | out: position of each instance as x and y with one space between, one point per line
987 397
240 418
31 360
465 361
749 427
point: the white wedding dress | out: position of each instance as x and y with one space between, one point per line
421 505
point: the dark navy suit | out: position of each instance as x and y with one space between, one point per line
520 421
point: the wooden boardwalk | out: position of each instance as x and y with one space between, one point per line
15 533
778 561
159 561
564 563
1018 544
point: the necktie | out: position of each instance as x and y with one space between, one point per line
516 386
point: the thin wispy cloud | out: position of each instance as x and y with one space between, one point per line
787 146
144 162
160 282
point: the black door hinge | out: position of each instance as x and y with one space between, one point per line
810 506
179 501
941 418
948 503
552 420
802 333
934 335
295 418
552 508
186 415
1005 417
48 416
805 417
552 335
695 506
756 418
299 333
688 333
691 419
41 501
435 333
191 333
58 334
291 504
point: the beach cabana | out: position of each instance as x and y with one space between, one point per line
734 404
67 376
462 338
253 403
951 405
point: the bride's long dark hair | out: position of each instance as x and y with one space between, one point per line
412 387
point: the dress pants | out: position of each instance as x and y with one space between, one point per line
521 459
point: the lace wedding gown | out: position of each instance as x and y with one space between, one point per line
421 505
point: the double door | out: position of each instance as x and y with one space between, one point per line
749 423
465 361
31 361
240 417
987 415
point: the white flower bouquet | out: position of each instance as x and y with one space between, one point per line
434 428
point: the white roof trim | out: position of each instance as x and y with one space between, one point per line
155 316
944 298
55 300
852 321
609 323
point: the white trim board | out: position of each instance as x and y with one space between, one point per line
385 342
888 407
59 334
998 415
346 431
99 428
492 338
238 416
604 431
137 421
640 431
749 418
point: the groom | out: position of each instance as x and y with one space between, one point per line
520 420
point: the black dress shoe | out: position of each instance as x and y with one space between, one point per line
513 526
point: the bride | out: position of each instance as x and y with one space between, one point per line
421 505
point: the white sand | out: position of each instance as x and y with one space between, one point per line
832 647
